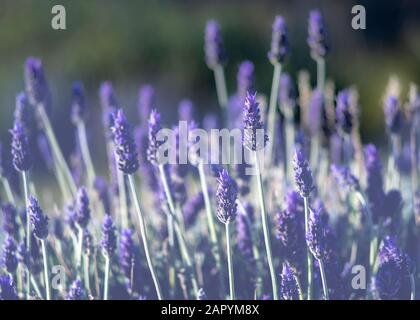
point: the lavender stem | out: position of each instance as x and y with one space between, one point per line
122 199
272 114
320 63
266 229
308 253
46 274
324 278
106 278
84 148
219 77
86 272
230 266
28 230
144 235
413 287
8 190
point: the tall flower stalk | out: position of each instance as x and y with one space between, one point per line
227 193
304 183
128 164
254 140
276 55
108 244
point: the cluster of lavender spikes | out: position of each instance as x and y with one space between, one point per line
332 201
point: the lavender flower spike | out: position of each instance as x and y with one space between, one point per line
36 83
253 137
226 195
7 289
82 216
24 113
76 291
109 237
9 255
125 147
10 225
393 115
343 112
78 111
127 256
146 102
22 159
316 236
245 78
279 41
317 37
154 144
39 221
289 288
345 178
213 47
303 174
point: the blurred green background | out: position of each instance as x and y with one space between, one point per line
161 42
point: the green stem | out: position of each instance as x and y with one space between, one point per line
28 231
46 274
324 279
55 148
86 273
106 278
122 199
36 287
413 287
79 248
266 229
320 63
308 253
230 266
272 110
219 77
8 190
143 234
84 148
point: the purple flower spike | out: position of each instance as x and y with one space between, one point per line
345 178
317 36
154 144
244 237
127 253
125 148
35 82
395 267
109 237
316 235
9 255
78 107
393 115
39 221
186 110
289 289
22 254
245 78
213 45
24 113
343 113
22 159
226 198
303 174
107 96
192 208
279 41
146 102
7 289
5 162
76 291
82 212
10 225
254 137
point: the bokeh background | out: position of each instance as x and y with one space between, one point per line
161 42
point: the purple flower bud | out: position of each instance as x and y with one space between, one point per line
82 210
7 288
316 235
76 291
192 208
186 110
245 78
107 96
393 115
317 35
125 147
303 174
253 135
22 158
345 178
226 198
146 102
201 295
39 221
213 45
154 144
24 113
109 237
35 82
289 288
9 254
127 255
78 107
101 188
10 225
279 41
343 113
244 237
